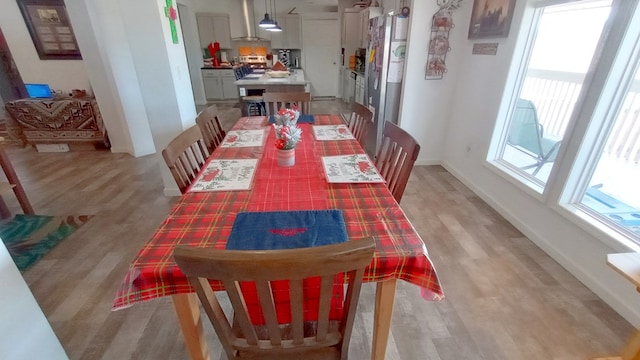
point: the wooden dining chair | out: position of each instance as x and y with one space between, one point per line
360 122
321 339
12 185
185 156
395 158
274 101
209 122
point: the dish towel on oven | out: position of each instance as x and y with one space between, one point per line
286 229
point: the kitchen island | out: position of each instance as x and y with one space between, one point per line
255 84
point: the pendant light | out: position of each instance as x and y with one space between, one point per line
276 27
266 23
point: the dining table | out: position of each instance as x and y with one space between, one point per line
204 217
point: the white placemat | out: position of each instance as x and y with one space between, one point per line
356 168
243 138
224 175
332 132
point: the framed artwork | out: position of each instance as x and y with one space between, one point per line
50 29
491 18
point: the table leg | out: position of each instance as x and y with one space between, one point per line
631 350
188 312
385 295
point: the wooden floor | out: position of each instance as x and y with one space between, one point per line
505 299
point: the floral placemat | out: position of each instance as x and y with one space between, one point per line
356 168
243 138
332 132
224 175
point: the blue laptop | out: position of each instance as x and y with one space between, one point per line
38 91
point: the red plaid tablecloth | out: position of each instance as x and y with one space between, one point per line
205 218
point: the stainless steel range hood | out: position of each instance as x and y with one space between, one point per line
248 22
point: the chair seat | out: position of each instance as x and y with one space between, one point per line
548 145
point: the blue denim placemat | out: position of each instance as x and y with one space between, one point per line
302 119
286 229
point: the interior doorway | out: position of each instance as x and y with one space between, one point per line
321 65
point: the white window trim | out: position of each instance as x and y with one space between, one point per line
623 42
569 179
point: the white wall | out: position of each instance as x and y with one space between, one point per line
62 75
192 47
473 91
107 55
162 72
424 109
25 333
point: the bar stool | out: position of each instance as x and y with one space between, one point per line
254 105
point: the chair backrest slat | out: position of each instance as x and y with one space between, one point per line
360 122
297 311
209 122
324 307
241 317
274 101
269 311
213 310
395 158
264 267
185 155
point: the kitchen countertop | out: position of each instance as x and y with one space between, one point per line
296 78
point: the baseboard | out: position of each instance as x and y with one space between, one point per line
427 162
171 192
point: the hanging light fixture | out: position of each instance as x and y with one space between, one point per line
276 27
266 23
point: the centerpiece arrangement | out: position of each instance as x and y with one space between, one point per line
288 135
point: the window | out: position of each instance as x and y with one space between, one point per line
554 67
574 72
613 192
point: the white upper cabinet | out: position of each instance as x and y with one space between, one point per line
351 32
212 28
290 37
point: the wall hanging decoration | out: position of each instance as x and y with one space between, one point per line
441 24
172 14
50 29
491 18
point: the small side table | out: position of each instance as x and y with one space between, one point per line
628 265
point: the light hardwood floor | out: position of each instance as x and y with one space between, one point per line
505 298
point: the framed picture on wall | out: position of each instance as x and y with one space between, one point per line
50 29
491 18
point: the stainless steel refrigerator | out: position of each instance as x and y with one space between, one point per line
384 68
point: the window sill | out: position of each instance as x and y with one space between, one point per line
607 234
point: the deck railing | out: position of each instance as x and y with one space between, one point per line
555 93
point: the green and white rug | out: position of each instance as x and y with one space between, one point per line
30 237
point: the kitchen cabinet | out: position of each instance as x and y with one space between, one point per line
347 87
219 84
214 28
290 37
229 88
359 96
365 15
351 38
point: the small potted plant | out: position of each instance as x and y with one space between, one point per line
288 135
